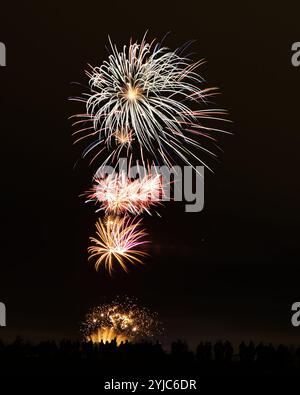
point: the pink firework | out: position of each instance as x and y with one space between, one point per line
118 194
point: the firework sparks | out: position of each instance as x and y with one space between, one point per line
123 137
154 92
148 102
116 242
122 321
118 194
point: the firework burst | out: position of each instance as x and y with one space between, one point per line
116 243
118 194
154 96
149 103
122 321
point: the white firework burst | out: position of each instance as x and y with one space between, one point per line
153 95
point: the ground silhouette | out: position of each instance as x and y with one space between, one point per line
69 358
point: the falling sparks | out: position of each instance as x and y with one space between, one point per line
120 321
157 94
116 242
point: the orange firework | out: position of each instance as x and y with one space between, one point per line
121 320
116 242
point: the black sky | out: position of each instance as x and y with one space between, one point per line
231 271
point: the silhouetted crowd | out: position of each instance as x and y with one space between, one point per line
85 358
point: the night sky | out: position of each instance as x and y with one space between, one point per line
231 271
